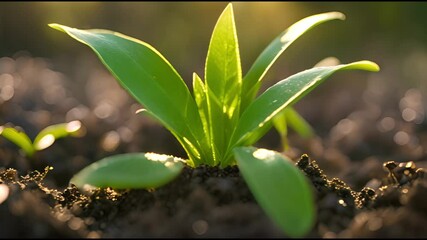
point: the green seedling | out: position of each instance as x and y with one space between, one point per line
217 124
44 139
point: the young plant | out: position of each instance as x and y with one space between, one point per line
217 124
44 139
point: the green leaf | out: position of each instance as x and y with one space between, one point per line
131 170
289 117
298 123
19 138
284 93
47 136
199 92
252 80
279 187
280 123
150 79
223 80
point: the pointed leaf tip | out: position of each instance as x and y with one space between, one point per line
338 15
56 26
364 65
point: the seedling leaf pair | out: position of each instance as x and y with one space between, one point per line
44 139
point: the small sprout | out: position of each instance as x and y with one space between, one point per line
223 115
44 139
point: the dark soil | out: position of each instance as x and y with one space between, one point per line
366 164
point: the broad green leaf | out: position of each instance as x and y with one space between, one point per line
252 80
19 138
279 187
131 170
284 93
223 80
149 77
47 136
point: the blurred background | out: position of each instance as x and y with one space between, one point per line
181 30
392 34
378 31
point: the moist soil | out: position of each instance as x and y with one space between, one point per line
366 163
